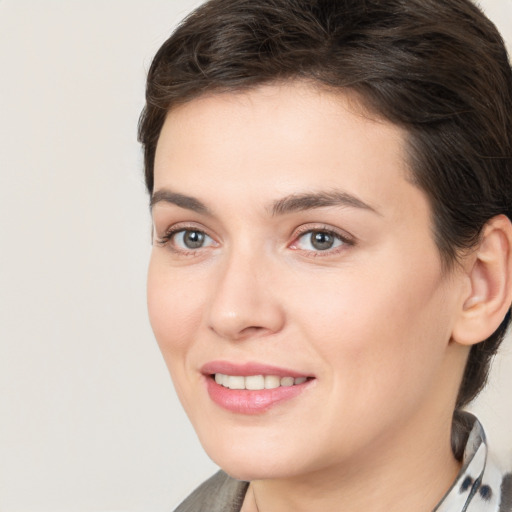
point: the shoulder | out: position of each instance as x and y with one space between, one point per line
220 493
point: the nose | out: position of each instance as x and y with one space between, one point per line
244 303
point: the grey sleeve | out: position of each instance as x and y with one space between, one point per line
506 493
220 493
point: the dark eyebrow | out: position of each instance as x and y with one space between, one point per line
309 201
181 200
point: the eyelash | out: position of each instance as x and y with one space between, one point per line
345 239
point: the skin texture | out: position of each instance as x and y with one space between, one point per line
371 319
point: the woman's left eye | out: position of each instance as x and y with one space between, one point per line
318 241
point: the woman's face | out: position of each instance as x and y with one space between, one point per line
289 245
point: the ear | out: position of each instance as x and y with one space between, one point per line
488 295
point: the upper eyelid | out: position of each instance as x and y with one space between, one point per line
185 226
308 228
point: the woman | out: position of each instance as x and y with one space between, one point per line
331 194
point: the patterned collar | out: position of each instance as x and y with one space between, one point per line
480 485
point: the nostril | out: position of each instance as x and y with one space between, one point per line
253 328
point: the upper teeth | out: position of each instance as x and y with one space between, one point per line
256 382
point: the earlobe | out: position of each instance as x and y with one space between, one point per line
489 275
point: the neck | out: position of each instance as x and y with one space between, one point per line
394 476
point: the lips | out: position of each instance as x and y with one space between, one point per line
252 388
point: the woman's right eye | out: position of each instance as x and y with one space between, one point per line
187 240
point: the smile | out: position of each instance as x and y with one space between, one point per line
253 388
257 382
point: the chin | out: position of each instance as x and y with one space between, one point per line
251 470
252 461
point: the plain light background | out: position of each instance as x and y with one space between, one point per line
88 416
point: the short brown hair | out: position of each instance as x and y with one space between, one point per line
438 68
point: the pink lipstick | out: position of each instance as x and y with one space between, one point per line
252 388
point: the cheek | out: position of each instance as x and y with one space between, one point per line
375 329
174 306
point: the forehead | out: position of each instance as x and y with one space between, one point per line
274 138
